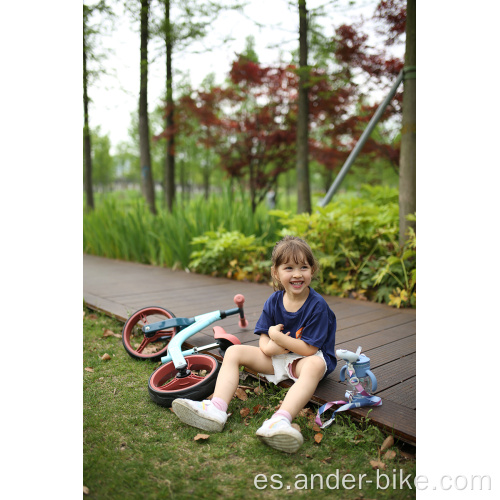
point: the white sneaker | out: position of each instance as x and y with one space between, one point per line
278 433
200 414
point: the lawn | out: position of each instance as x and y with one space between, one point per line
134 448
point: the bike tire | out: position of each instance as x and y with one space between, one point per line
164 386
140 347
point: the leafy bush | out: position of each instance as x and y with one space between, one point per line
355 240
230 254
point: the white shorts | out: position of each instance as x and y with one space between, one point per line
282 364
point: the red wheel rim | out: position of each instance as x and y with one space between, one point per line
164 379
144 344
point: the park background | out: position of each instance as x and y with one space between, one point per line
207 154
41 130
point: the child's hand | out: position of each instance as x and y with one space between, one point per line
275 332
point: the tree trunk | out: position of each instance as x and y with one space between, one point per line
144 146
407 161
169 186
86 134
303 191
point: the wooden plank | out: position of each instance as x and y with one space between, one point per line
376 339
404 393
395 372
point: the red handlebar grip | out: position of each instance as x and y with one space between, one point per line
239 301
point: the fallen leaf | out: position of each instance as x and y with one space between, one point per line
201 436
318 437
377 464
106 357
257 408
408 456
258 390
93 316
327 460
388 442
109 333
88 369
296 426
241 394
389 454
86 491
244 412
305 412
316 428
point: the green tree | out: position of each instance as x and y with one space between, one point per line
192 21
407 162
303 189
144 136
91 30
103 163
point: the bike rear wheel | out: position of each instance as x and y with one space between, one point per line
164 386
137 344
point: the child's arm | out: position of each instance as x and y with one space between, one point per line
269 347
283 340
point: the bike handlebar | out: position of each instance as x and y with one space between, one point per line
239 300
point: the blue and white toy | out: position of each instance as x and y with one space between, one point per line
361 380
362 373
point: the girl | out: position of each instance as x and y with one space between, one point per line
305 353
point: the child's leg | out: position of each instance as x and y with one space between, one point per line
211 415
309 371
229 374
277 431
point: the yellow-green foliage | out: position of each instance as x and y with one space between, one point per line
355 240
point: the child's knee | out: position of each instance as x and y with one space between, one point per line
314 365
235 353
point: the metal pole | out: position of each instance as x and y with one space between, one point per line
361 142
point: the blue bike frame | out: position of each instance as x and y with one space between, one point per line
188 328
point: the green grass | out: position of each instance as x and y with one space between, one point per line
134 448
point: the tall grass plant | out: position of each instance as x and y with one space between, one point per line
125 229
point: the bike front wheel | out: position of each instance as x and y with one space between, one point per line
164 385
137 344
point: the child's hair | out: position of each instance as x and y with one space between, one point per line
291 248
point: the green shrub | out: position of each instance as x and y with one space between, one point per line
230 254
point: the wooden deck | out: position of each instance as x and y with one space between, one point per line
387 335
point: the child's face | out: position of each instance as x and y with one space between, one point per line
295 278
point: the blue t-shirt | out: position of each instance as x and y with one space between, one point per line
314 323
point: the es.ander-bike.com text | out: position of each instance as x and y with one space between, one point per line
396 480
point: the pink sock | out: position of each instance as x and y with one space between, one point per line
220 404
283 413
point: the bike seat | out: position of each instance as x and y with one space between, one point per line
220 333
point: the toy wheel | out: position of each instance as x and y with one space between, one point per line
164 386
141 347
